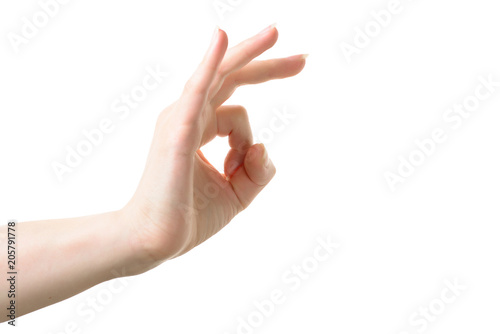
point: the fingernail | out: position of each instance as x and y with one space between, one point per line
304 56
268 28
216 33
265 156
232 168
252 153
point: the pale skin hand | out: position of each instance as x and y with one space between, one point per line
181 200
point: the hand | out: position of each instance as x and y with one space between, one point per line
182 200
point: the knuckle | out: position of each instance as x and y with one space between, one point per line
241 112
192 87
234 81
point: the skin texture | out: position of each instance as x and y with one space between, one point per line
181 200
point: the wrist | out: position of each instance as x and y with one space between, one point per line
138 255
120 254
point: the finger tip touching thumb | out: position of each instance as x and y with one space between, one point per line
258 170
259 167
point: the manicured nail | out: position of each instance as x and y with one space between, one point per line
232 167
252 154
216 33
264 155
268 28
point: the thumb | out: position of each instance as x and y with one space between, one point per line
255 173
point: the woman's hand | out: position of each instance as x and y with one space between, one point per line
182 200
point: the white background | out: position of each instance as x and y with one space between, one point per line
353 120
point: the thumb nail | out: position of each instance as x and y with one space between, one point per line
265 156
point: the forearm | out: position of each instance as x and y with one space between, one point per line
57 259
